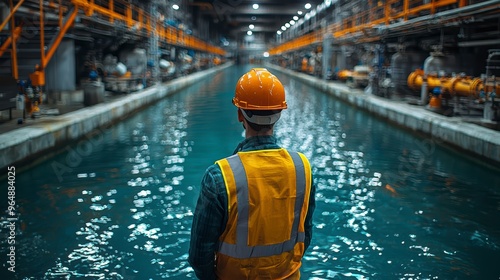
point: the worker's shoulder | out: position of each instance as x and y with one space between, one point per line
301 154
214 168
213 177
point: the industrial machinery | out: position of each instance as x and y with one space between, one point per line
438 89
186 65
343 75
167 70
359 77
128 74
492 86
32 96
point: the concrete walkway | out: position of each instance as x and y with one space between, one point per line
480 142
28 143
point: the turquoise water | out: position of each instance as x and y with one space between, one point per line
118 204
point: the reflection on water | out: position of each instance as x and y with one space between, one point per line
139 220
119 204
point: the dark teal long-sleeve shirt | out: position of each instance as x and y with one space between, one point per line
210 216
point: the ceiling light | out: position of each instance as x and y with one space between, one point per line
254 18
283 28
266 54
292 22
249 33
279 32
299 13
295 18
175 7
255 6
307 6
251 26
287 25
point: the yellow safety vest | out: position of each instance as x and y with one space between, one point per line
268 197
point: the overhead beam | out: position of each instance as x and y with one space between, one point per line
248 10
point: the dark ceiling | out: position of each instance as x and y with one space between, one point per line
233 17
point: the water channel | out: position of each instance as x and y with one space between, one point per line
118 204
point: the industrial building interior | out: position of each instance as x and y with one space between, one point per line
440 54
111 111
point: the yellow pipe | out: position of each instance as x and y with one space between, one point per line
465 86
461 86
416 79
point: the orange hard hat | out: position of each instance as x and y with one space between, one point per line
258 89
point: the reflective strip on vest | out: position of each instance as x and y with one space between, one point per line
241 250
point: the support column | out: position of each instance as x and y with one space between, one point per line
327 56
153 51
60 74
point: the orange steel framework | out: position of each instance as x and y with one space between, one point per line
112 10
378 13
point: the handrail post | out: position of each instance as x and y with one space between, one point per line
129 15
13 54
111 7
60 14
42 34
405 9
140 19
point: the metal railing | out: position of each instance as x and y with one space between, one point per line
135 18
374 14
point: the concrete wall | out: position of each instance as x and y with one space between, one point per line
34 142
482 143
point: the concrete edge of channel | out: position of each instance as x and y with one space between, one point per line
478 141
26 144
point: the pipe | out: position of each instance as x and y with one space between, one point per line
430 18
463 86
416 79
479 43
459 86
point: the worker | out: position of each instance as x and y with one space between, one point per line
253 218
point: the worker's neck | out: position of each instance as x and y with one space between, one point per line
251 133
